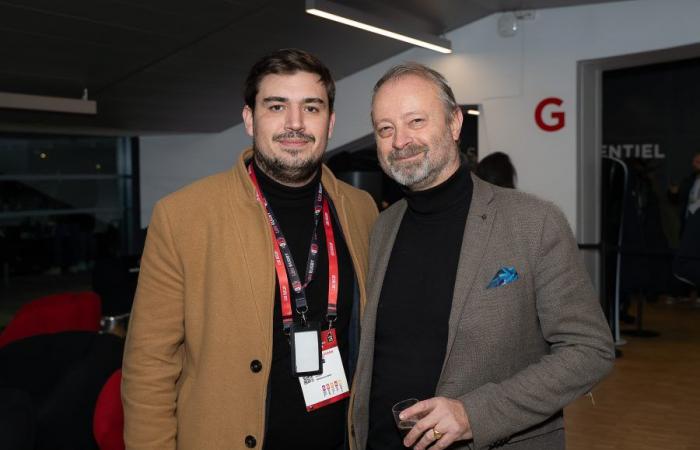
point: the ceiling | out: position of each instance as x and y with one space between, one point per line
177 66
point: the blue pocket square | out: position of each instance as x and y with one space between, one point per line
505 275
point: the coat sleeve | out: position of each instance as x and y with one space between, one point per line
581 346
369 211
153 354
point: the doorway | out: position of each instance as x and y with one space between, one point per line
611 132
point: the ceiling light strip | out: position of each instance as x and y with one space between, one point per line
313 8
12 100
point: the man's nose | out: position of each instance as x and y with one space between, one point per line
294 119
401 138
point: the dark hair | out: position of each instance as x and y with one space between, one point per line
287 61
428 74
497 169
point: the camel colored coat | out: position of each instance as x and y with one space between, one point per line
202 317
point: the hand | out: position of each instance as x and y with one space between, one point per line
439 413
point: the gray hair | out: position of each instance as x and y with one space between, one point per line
428 74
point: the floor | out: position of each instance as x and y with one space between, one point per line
652 398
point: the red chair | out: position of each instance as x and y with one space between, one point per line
74 311
108 421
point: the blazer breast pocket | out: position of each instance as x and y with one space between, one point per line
505 299
500 298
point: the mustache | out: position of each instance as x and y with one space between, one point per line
294 135
407 152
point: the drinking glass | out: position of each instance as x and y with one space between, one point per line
404 425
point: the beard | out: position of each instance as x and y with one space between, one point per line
416 175
297 171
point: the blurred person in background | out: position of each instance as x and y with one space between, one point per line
497 169
687 194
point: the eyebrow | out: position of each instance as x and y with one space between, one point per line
314 100
413 113
275 99
403 116
285 100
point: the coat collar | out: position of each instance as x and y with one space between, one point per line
256 245
242 181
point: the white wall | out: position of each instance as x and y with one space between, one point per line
507 76
168 163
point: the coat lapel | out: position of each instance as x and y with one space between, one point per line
254 242
477 231
348 225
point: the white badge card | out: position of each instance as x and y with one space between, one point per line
306 351
331 385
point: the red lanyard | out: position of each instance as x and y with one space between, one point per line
284 264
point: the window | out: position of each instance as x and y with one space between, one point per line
66 201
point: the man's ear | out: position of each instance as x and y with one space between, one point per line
456 123
248 120
331 124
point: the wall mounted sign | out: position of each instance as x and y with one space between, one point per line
554 120
639 151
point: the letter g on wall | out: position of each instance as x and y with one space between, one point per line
556 119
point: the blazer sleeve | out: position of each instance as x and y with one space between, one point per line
581 346
153 355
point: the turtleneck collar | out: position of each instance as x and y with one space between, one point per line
274 190
453 194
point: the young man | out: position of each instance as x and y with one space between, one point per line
478 301
237 268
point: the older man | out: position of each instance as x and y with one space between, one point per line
478 301
241 272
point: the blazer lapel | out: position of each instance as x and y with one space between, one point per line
386 231
384 235
477 231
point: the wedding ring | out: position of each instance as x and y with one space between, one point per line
436 434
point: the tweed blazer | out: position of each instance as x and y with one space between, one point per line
199 347
518 353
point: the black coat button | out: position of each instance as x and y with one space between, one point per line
255 366
250 441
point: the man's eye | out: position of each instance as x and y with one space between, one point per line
276 107
384 131
312 109
417 122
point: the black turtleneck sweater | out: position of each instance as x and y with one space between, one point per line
289 425
415 302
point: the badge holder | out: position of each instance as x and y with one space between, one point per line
306 350
332 385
